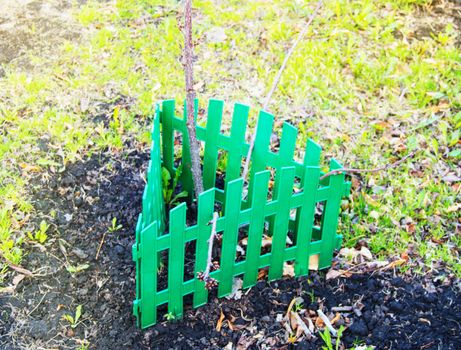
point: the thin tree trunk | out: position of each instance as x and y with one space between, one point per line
190 96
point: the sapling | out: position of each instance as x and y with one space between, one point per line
190 96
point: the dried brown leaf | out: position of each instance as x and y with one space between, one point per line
220 321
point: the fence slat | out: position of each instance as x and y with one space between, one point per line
176 259
312 155
230 235
168 109
256 228
281 220
237 135
213 129
330 215
156 180
285 158
205 214
305 219
148 262
261 147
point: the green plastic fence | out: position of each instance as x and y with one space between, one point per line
296 189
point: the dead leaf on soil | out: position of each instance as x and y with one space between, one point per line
332 274
220 321
394 264
262 274
29 168
355 255
336 318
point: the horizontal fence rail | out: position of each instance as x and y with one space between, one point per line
267 209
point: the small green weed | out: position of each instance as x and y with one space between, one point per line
40 235
326 337
114 227
74 320
170 316
170 186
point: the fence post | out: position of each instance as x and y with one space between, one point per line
330 215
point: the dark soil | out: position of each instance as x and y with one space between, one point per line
395 312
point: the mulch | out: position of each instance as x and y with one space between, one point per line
391 310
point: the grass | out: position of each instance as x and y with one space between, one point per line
364 84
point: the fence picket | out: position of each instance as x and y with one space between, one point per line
213 128
148 256
168 109
281 220
285 158
305 219
256 228
176 259
230 235
205 214
261 147
237 135
330 215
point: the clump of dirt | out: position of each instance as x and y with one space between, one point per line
397 312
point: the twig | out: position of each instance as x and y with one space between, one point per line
341 308
327 322
36 306
190 96
15 267
100 245
210 283
206 275
375 170
275 83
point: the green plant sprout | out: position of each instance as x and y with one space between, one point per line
77 268
169 188
170 316
298 307
114 226
74 320
326 336
40 236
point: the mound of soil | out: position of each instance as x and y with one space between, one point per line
395 311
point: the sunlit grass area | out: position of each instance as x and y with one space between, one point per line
371 82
